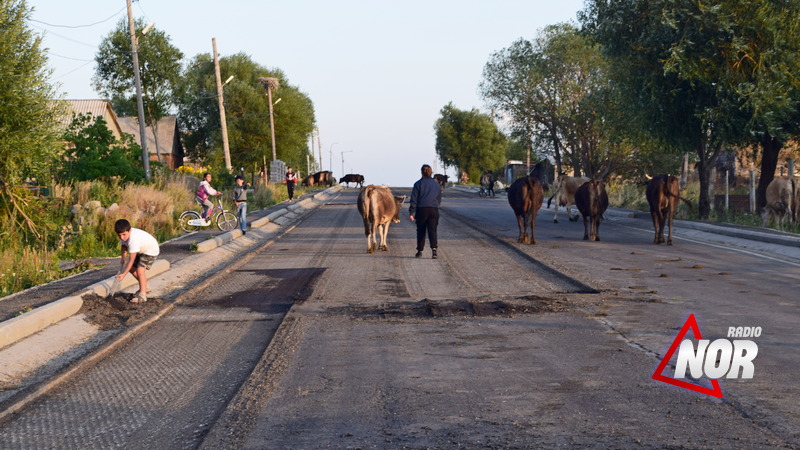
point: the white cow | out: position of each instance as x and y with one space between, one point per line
783 196
564 189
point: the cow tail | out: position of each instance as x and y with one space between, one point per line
550 200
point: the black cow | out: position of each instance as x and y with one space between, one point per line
352 178
591 200
526 197
442 179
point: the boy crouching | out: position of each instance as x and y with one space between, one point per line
142 249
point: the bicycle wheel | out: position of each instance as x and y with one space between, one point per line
184 219
226 221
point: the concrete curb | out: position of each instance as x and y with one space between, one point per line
280 217
32 322
758 235
38 319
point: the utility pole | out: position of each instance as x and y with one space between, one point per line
139 103
225 149
319 148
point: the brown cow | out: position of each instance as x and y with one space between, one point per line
564 192
442 179
783 196
526 197
324 177
663 193
378 207
591 200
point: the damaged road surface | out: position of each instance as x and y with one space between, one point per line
313 343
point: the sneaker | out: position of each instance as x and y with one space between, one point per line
418 255
434 254
244 232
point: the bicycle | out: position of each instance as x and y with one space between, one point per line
225 220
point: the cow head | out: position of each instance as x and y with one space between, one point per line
398 203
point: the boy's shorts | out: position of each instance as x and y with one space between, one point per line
143 261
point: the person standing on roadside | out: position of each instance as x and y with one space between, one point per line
424 210
240 200
291 179
203 193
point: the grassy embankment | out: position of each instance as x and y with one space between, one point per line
77 221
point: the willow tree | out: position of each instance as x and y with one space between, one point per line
28 116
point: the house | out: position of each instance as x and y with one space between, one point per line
95 108
169 142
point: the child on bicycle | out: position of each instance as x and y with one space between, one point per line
203 193
142 249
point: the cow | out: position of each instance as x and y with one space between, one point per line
378 208
564 192
591 200
663 193
526 197
352 178
783 196
324 177
441 179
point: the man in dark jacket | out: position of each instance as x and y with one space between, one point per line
425 199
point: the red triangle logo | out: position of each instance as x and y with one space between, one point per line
691 324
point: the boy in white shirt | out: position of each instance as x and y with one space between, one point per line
142 250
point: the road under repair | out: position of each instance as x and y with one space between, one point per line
310 342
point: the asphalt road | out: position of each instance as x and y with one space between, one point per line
312 343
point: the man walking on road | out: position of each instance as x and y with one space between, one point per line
425 199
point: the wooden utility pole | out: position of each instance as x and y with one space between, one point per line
319 148
225 150
139 103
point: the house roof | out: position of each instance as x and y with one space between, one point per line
100 108
166 133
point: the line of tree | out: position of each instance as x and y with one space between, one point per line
643 82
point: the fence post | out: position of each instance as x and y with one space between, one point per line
712 188
727 189
752 191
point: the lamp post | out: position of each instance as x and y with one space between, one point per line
346 151
138 83
330 155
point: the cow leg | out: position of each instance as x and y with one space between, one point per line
522 229
384 233
597 228
670 217
532 222
572 218
555 215
585 228
655 226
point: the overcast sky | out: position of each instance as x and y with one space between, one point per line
378 72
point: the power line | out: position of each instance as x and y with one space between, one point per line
73 70
64 37
79 26
67 57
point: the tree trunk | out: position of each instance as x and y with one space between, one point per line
771 147
704 205
154 127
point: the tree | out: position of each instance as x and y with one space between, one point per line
701 77
159 68
28 116
95 153
247 113
469 140
553 89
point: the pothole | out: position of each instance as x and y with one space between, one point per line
477 307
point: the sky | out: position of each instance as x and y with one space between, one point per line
378 72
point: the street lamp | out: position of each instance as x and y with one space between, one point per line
138 82
346 151
330 154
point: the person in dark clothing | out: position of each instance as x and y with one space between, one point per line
291 179
425 199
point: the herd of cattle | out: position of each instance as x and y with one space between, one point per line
378 207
